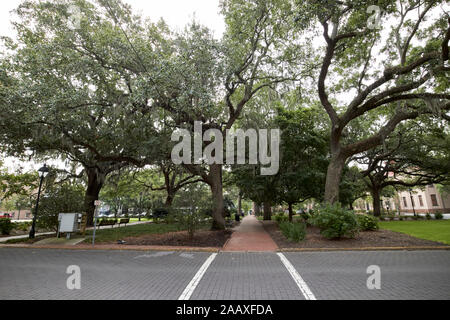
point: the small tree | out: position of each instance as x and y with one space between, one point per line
59 198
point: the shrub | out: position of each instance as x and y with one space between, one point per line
22 226
281 217
160 213
438 216
294 232
169 218
416 217
191 220
6 226
305 216
335 221
367 223
400 218
428 216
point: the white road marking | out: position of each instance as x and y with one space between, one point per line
307 293
198 276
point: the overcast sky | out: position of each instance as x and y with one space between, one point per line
177 13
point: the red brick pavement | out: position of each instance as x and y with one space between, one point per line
250 236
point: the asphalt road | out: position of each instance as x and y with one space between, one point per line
42 274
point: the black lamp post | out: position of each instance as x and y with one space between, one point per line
42 174
412 201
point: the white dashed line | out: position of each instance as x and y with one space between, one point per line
307 293
198 276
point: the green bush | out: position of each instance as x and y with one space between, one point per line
160 213
428 216
281 217
367 222
22 226
191 220
294 232
438 216
6 226
305 216
335 221
169 218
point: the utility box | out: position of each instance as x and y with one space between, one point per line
68 222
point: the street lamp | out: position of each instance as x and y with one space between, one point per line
412 201
42 174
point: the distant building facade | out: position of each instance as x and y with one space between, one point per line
420 200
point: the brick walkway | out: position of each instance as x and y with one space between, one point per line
250 236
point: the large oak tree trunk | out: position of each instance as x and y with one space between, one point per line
169 198
96 179
334 174
267 210
290 212
256 209
215 183
376 196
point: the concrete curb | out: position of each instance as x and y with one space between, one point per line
113 247
414 248
212 249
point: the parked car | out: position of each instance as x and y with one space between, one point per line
5 215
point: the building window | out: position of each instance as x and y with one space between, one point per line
434 200
420 200
404 202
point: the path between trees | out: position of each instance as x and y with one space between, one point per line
250 236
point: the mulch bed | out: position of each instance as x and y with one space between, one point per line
379 238
203 238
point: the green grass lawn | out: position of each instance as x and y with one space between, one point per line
435 230
114 234
142 219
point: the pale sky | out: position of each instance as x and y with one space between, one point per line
176 13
